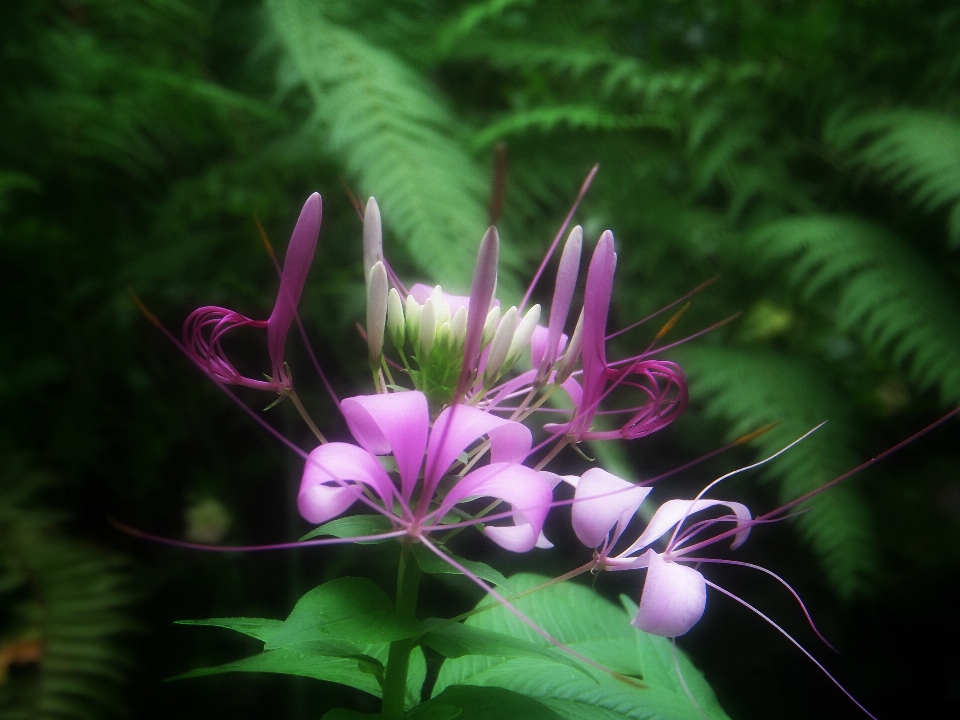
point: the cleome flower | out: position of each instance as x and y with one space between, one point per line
205 328
420 495
674 595
661 383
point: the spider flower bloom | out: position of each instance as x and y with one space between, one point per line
205 327
398 424
674 596
660 382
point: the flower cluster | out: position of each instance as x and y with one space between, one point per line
450 421
472 405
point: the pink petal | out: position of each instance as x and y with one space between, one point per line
673 598
614 502
539 343
422 292
296 265
524 489
674 511
458 427
330 476
394 423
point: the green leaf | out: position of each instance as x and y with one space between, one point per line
342 714
455 640
482 703
259 628
354 526
596 628
289 662
431 710
351 609
433 565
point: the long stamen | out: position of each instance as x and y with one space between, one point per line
796 644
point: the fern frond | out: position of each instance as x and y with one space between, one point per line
887 294
472 17
69 598
915 151
750 389
572 117
393 134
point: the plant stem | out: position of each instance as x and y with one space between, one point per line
398 659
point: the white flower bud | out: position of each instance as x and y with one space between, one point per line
521 338
490 326
412 312
500 346
572 352
428 328
376 310
458 326
396 325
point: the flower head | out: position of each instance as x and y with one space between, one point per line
674 595
398 424
661 383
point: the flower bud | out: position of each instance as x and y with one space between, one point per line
500 346
490 326
376 310
521 338
458 327
569 359
396 325
428 328
412 312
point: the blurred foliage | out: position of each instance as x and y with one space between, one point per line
64 603
807 152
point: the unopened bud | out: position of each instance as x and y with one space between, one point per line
428 328
411 311
521 338
490 326
376 310
572 352
500 346
396 325
372 238
458 326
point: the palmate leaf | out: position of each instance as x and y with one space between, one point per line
887 294
915 151
394 136
749 389
587 623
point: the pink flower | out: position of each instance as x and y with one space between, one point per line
674 595
660 382
205 327
398 424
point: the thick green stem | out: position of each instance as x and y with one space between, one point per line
398 660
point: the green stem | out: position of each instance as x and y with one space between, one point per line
398 659
295 399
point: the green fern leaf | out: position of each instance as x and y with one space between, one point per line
915 151
393 134
750 389
887 294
